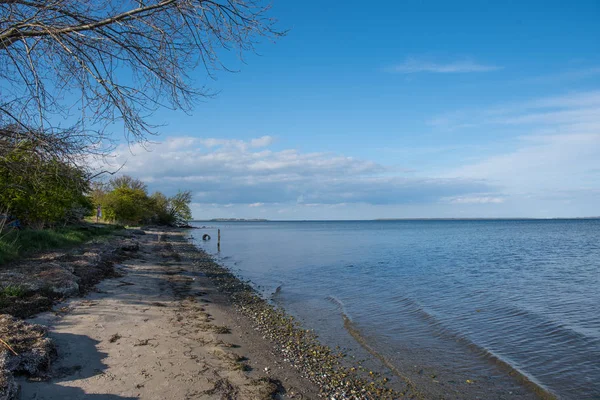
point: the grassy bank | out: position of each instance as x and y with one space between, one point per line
16 244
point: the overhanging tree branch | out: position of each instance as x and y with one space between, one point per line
76 69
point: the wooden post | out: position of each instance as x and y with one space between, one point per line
219 240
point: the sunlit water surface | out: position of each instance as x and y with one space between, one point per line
474 299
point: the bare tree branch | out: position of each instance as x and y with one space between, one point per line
71 71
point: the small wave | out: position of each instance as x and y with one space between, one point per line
362 341
505 365
546 324
413 307
277 291
340 306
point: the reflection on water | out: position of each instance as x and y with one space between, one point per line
478 299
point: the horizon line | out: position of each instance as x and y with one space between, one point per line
396 219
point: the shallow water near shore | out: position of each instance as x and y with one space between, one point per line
467 306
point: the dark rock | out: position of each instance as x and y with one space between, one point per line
34 349
49 277
9 389
132 246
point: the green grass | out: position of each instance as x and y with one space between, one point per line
13 291
8 293
16 244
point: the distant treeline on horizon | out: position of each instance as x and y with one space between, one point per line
394 219
231 220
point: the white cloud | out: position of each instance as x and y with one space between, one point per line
224 171
414 65
210 143
180 142
554 155
540 164
263 141
474 200
566 113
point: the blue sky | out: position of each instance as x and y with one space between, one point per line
396 109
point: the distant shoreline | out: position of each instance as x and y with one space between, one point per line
484 219
231 220
397 219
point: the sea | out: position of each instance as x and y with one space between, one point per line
462 308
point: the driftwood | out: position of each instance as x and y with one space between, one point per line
8 347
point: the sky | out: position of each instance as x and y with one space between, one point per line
395 109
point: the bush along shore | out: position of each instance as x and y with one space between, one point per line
15 244
336 377
34 283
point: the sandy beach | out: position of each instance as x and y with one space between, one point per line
170 323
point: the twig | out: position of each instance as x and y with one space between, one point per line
8 347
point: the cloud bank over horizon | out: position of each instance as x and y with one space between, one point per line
548 168
233 173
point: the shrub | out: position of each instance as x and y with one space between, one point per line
125 200
40 190
15 244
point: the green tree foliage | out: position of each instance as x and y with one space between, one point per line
98 191
179 207
127 181
126 205
40 190
172 210
160 205
126 200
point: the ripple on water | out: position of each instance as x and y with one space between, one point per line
456 296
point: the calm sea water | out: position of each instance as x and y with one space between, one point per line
442 301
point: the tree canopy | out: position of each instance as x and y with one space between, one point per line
40 190
125 200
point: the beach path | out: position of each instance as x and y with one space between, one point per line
160 331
